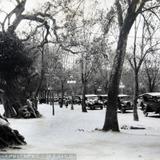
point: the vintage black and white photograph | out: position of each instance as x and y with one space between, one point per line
79 79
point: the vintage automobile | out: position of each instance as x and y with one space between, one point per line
73 99
93 102
124 103
56 99
104 99
77 99
150 103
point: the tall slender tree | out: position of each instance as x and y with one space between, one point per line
134 7
151 76
141 50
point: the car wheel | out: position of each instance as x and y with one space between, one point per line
145 111
91 108
122 110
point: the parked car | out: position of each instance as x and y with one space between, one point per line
56 99
42 100
104 99
93 102
60 100
150 103
124 103
77 99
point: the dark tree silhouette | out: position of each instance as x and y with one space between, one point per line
14 65
134 7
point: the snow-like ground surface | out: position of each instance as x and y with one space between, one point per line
71 131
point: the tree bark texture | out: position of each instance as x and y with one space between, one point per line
83 96
62 95
17 107
111 121
135 97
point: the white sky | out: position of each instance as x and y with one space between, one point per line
8 5
32 4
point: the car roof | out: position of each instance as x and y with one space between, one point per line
123 95
156 94
91 95
103 95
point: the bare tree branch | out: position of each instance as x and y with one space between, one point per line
150 8
119 13
18 10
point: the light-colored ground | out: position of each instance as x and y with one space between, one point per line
71 131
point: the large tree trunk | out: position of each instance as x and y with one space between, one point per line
9 111
40 81
15 103
11 100
83 96
111 121
135 97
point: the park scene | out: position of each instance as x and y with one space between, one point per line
80 77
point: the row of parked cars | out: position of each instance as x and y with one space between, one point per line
94 101
100 101
148 102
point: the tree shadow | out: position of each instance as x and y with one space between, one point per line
154 116
95 109
126 112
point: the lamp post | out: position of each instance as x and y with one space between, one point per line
71 82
